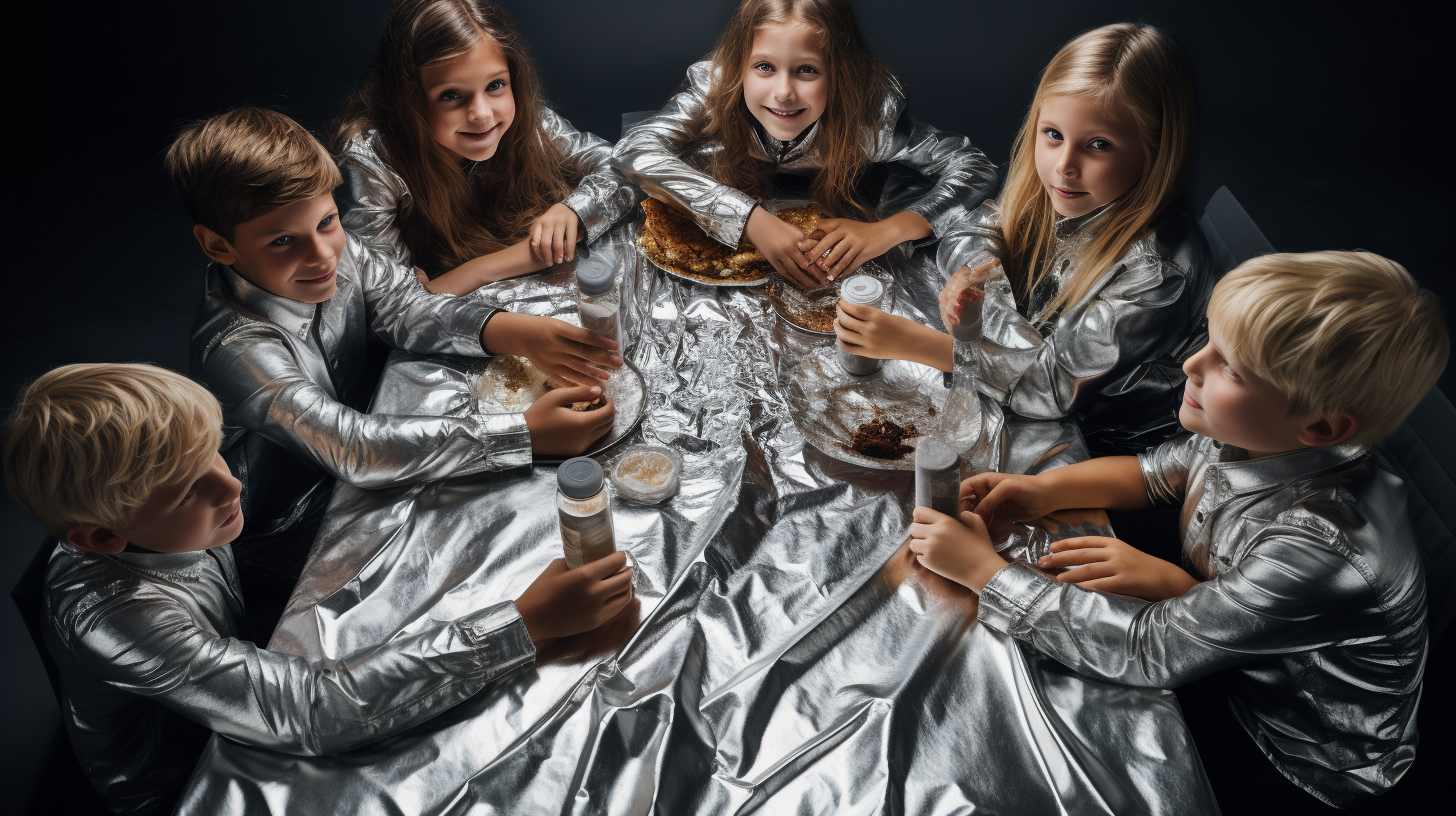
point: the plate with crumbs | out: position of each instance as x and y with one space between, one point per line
510 385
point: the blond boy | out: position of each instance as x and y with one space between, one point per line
291 302
1310 588
143 606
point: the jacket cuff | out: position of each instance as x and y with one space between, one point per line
1010 596
725 215
498 637
588 208
506 438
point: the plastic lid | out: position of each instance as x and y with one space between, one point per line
862 289
594 276
579 478
933 455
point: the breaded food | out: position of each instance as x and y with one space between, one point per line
671 240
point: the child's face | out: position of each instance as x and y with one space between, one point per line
1086 156
292 251
196 513
785 87
470 100
1224 400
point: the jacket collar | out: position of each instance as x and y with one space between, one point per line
294 316
1244 475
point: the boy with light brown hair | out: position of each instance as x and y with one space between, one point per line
143 608
1310 589
291 303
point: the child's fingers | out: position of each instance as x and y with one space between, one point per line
604 566
1072 558
975 523
918 533
571 239
1092 576
583 337
1080 543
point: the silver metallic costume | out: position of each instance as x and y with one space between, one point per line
147 649
937 175
292 373
1313 597
375 193
1115 359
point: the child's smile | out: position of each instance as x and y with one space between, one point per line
784 86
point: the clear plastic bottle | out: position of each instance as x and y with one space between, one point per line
937 477
961 418
584 511
597 300
864 291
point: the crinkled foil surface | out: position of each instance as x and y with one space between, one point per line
785 654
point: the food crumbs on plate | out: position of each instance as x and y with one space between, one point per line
882 438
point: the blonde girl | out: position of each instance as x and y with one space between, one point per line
793 90
452 162
1097 278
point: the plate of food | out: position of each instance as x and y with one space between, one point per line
872 421
510 385
812 310
674 243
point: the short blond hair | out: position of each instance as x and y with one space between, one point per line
245 163
89 444
1336 332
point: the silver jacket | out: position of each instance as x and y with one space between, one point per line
147 646
373 194
294 374
1313 598
1115 359
941 177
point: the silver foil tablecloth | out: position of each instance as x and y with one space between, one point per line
784 655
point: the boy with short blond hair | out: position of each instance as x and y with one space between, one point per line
1312 592
280 338
143 608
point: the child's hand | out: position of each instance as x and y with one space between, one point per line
848 243
562 602
1002 498
556 430
1116 566
958 550
871 332
553 235
957 292
561 351
778 240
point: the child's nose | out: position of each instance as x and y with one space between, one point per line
1067 165
479 108
783 87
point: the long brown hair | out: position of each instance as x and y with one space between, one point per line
1128 64
858 84
454 215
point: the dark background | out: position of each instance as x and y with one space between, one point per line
1323 120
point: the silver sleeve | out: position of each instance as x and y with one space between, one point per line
373 198
152 647
971 241
253 370
650 155
1165 469
1293 592
604 195
961 176
412 318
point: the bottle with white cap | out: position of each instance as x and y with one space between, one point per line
597 300
864 291
584 510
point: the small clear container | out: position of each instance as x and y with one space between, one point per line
864 291
648 474
597 301
584 511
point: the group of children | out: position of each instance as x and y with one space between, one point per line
448 172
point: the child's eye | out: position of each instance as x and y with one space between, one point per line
282 240
1053 134
190 491
808 69
1101 144
763 68
324 224
1230 373
495 85
449 96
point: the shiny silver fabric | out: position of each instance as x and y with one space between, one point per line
375 194
293 373
786 655
1113 360
148 644
941 177
1313 599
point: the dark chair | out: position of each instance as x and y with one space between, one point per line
1423 451
29 596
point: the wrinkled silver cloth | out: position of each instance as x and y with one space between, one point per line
374 193
1113 360
147 644
293 373
786 654
941 177
1313 598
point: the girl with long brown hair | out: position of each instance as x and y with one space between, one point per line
452 162
792 89
1096 280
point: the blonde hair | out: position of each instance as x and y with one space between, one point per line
1126 65
244 163
89 444
1335 331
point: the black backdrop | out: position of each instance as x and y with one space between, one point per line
1322 119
